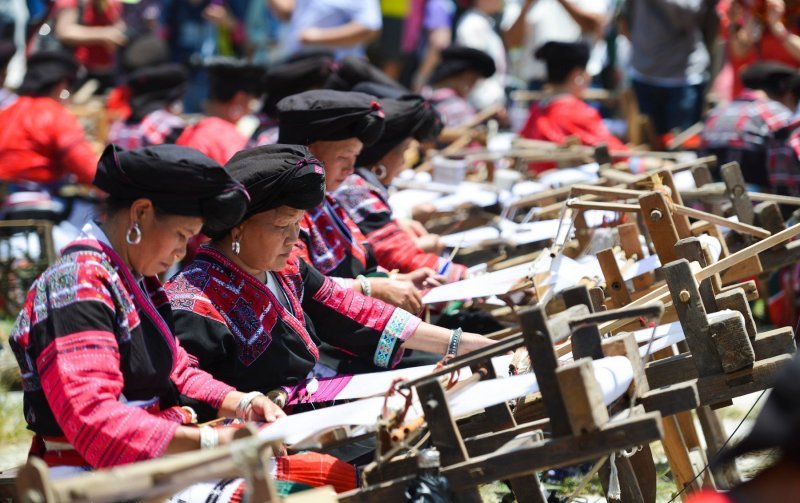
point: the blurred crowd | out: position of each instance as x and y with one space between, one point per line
671 60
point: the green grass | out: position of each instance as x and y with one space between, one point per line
12 421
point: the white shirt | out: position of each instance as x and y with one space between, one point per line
476 30
548 21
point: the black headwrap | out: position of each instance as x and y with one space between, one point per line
770 76
563 57
325 115
292 77
458 59
227 76
277 175
156 87
410 116
178 180
7 51
145 51
45 69
353 70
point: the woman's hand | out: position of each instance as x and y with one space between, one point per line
430 243
424 277
412 228
263 409
402 294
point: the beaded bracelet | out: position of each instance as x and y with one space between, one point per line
455 339
366 287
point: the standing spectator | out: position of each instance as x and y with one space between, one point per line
95 30
764 29
542 21
342 25
7 51
427 32
671 58
477 29
199 30
40 140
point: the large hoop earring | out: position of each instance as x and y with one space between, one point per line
236 246
381 171
134 234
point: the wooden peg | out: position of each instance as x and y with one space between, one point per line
658 219
731 174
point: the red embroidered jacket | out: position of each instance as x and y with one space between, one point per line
89 341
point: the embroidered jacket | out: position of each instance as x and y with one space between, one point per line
89 339
367 202
783 160
740 130
238 330
157 127
266 133
332 242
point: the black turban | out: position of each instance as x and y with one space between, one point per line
770 76
296 76
353 70
410 116
430 122
7 51
325 115
277 175
178 180
47 68
144 51
156 87
228 76
458 59
561 58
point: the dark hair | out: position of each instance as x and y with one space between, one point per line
561 58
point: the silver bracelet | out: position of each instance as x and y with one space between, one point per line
209 437
455 340
244 403
366 287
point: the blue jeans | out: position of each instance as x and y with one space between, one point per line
670 107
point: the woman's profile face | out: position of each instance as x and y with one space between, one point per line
394 161
266 239
339 158
164 239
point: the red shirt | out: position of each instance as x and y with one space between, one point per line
41 141
94 56
564 115
215 137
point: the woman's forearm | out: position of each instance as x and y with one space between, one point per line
186 439
435 339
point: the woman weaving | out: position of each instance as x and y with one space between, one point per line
102 373
253 314
365 196
336 125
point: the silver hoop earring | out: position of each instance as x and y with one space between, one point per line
381 171
134 235
236 247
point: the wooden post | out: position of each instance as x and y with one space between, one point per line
681 222
615 284
691 249
544 363
444 433
582 396
658 219
731 174
629 240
